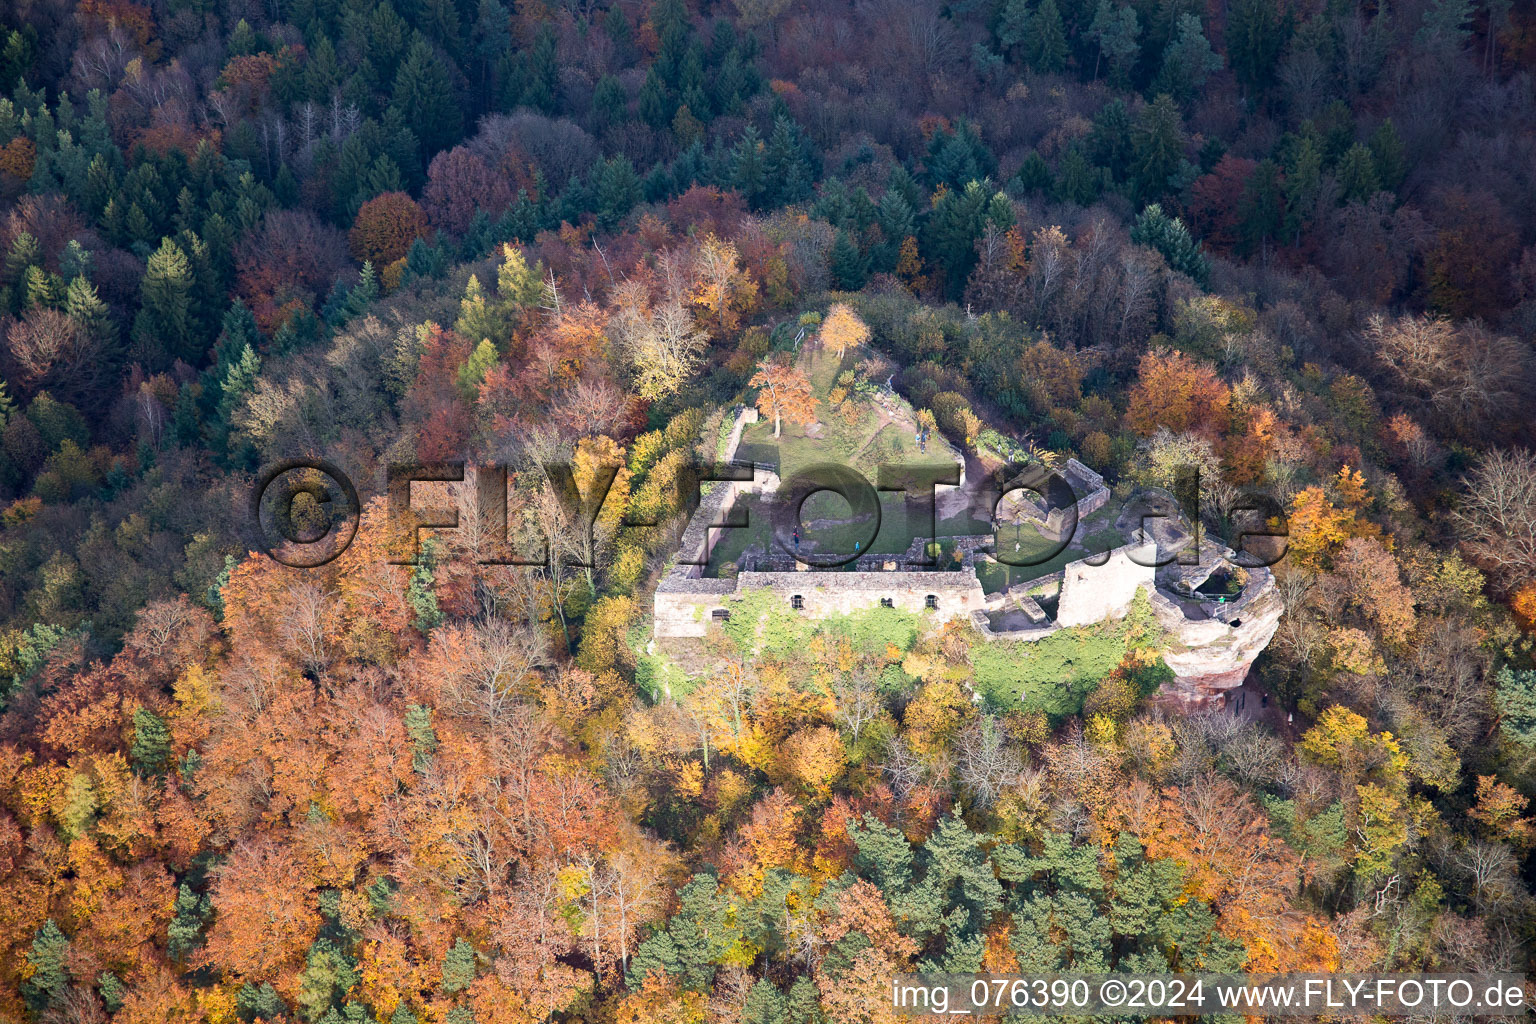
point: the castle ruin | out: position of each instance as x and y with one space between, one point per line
1216 614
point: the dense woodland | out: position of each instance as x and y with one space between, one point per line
1291 242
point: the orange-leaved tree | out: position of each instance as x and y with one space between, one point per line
385 227
785 394
1176 392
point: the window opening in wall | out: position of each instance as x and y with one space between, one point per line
720 615
797 602
932 601
886 602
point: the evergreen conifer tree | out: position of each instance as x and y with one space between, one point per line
1045 42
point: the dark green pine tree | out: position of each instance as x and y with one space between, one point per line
459 966
164 328
657 185
1045 41
423 98
237 332
729 82
1109 143
671 20
112 990
100 185
238 381
1077 181
957 222
1256 34
1034 174
1188 61
418 729
884 856
24 253
1168 235
49 979
895 216
900 180
958 157
322 72
788 163
693 167
616 26
957 871
243 40
151 747
1303 182
1516 700
849 270
209 290
765 1005
329 973
1117 30
1357 175
541 88
1157 146
1262 209
253 1001
1387 153
618 191
803 1006
834 204
85 308
421 592
1012 26
386 41
492 37
186 423
425 260
656 103
694 940
1335 128
1444 30
749 168
185 932
897 221
349 175
690 84
574 201
610 103
439 21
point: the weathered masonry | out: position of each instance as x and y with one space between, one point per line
1216 615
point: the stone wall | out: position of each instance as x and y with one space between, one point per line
685 606
1210 647
1092 495
699 540
956 593
1093 593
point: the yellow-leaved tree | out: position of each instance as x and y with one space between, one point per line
843 329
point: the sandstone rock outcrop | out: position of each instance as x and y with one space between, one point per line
1212 654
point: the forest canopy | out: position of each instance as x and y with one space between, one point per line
1292 244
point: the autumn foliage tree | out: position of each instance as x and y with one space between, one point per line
784 393
385 227
472 790
1175 391
842 329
